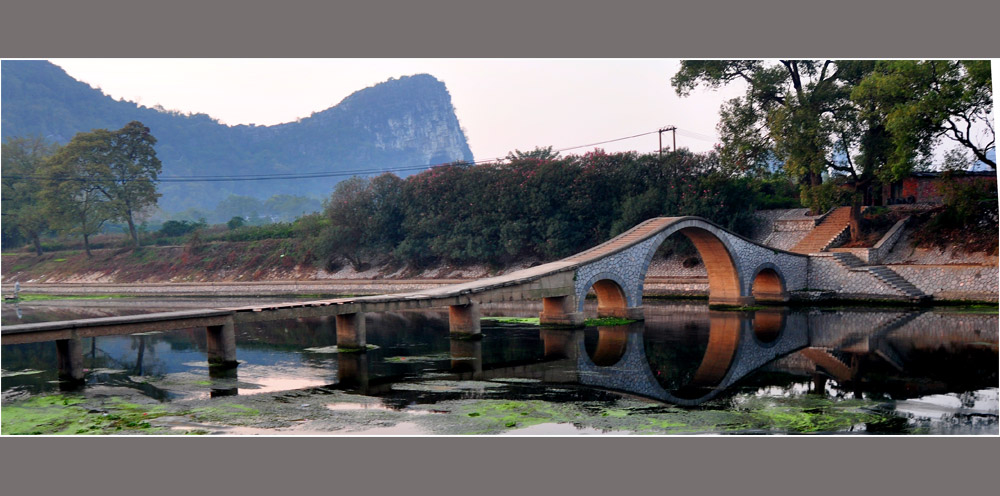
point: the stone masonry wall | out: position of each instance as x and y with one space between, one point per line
953 282
832 329
827 275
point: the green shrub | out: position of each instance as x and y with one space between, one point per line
236 223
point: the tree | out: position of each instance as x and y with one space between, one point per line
236 223
811 117
133 168
538 153
786 115
927 101
349 209
23 163
286 208
794 113
119 165
74 200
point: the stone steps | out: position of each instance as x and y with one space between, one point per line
882 273
834 365
848 260
823 235
896 281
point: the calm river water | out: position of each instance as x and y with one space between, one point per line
685 369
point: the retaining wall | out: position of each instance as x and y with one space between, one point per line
825 274
953 282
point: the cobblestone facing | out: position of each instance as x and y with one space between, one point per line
764 224
933 330
942 282
632 372
828 275
785 240
952 282
628 267
833 329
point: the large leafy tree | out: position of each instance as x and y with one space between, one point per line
74 201
787 114
868 122
133 169
799 114
23 163
926 102
106 174
349 209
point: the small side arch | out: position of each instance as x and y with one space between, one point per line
612 299
768 284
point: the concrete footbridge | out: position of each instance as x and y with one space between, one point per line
740 272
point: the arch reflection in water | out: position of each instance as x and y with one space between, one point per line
606 346
708 358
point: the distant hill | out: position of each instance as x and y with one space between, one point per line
401 122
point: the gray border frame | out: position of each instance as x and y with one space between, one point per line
456 28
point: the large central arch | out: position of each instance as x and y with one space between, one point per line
723 275
614 299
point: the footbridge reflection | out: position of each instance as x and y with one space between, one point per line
631 358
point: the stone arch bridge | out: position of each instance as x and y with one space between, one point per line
740 272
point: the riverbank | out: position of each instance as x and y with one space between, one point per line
895 270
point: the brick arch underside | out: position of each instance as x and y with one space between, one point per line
723 276
611 298
768 286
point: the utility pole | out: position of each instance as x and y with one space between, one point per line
661 131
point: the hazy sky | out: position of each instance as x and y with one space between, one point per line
503 104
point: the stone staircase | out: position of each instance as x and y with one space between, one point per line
895 280
824 234
833 359
834 365
882 273
847 260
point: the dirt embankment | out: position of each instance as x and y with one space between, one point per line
269 260
271 267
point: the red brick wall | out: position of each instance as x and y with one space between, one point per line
925 189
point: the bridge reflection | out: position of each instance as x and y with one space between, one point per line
710 354
684 354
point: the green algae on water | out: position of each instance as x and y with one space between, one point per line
29 297
64 415
607 321
514 320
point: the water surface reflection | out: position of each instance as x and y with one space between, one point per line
923 364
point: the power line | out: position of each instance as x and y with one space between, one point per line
324 174
698 136
608 141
